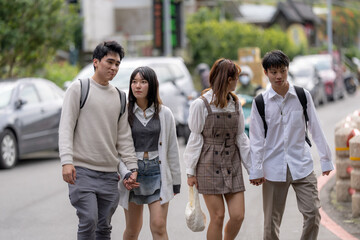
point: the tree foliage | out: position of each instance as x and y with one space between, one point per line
30 33
211 39
346 23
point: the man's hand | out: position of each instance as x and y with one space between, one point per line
191 181
326 173
257 181
69 173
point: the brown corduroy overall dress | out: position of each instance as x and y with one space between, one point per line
219 168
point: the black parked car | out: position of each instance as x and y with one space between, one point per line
30 110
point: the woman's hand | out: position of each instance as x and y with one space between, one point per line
192 180
131 183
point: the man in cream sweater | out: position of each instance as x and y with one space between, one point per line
91 139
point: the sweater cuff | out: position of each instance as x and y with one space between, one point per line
176 188
131 165
66 159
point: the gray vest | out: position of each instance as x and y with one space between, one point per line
146 138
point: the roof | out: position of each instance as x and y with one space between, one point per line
298 12
293 11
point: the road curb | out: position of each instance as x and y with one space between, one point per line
326 221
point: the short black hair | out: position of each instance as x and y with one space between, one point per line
104 48
275 58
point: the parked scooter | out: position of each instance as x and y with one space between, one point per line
351 83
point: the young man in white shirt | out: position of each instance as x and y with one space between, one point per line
282 157
90 143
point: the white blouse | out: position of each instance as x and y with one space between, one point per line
197 116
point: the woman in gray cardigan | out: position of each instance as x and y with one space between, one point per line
154 135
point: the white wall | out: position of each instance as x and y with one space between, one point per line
99 22
133 3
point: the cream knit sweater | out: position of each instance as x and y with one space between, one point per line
93 137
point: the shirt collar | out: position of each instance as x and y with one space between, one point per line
150 109
291 91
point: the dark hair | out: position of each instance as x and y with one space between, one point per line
153 96
104 48
218 79
275 58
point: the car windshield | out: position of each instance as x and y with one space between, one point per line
122 78
6 90
323 65
301 72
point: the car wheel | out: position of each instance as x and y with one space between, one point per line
8 150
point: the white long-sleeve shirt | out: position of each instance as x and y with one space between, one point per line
285 143
197 117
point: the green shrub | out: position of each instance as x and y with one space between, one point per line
211 40
59 73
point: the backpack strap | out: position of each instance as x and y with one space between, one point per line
303 100
122 95
207 105
84 91
260 105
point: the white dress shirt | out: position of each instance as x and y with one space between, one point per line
285 144
144 117
197 116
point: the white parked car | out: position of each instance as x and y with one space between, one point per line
176 87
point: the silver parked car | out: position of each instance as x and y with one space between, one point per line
176 87
306 76
30 110
330 72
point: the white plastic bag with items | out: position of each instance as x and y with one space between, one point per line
195 217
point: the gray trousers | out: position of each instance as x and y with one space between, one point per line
95 196
274 199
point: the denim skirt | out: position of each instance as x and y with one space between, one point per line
150 182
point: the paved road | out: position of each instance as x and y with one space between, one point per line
34 203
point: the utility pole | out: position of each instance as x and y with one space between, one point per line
167 29
329 27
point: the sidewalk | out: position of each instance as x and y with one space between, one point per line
340 220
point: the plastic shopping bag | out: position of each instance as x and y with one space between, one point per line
195 218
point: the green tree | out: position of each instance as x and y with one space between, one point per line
30 33
210 40
346 21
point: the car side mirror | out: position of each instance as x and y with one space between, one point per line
19 103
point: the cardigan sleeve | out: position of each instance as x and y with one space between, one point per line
173 147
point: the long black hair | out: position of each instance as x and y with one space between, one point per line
153 96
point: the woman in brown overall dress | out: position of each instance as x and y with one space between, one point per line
216 148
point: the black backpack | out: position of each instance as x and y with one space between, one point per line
85 87
259 100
